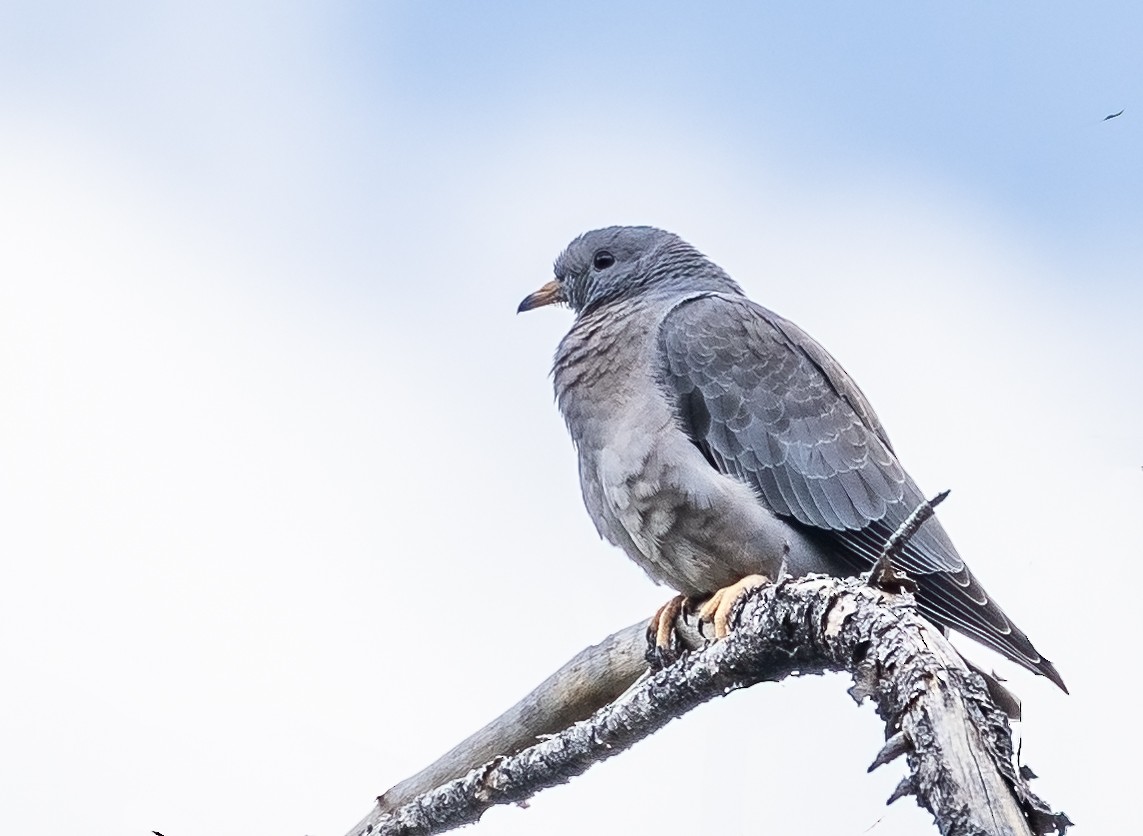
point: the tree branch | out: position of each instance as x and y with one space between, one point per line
595 677
936 711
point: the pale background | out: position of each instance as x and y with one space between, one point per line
279 464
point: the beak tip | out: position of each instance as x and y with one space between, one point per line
549 294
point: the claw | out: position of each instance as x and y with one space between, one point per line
719 608
663 643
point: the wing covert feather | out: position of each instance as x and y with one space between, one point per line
782 410
767 404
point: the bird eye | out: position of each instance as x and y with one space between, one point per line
603 259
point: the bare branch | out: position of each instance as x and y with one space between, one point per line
589 681
958 744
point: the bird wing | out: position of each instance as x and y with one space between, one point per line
765 403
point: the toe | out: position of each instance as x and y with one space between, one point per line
719 608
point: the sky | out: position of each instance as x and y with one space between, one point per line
286 509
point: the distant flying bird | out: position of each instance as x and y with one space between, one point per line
1112 115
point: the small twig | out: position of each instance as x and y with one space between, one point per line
883 574
894 747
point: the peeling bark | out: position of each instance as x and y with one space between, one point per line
937 712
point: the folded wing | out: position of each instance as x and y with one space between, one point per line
767 404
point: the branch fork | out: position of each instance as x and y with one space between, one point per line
937 712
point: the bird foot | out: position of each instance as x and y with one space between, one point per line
719 608
662 641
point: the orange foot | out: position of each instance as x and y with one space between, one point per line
719 607
662 626
661 638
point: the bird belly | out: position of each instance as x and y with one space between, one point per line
696 537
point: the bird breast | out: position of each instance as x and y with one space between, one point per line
694 537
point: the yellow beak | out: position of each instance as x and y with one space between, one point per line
549 294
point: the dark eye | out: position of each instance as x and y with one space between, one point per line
603 259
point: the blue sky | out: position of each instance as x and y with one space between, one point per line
1002 103
269 394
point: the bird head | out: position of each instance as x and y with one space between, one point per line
623 262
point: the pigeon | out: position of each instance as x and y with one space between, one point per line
718 442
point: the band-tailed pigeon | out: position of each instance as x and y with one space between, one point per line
717 439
